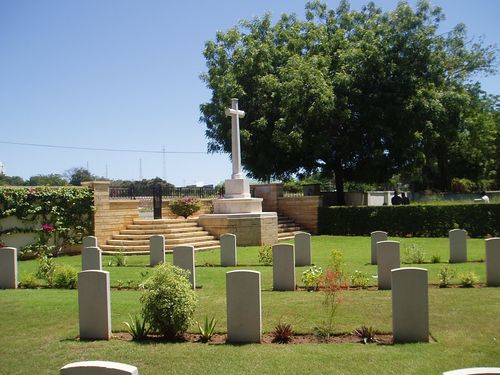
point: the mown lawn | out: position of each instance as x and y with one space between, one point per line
38 327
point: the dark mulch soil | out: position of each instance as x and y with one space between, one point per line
218 339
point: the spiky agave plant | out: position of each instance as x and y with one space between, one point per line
282 333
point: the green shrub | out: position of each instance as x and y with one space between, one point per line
413 220
169 302
468 279
359 280
435 258
137 328
413 254
28 281
119 260
65 277
184 207
207 330
46 268
265 255
311 277
446 274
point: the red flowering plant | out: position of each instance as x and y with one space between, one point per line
184 207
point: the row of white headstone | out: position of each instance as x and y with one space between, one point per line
386 255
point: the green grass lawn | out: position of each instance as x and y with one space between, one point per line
38 327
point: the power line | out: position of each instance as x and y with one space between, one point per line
102 149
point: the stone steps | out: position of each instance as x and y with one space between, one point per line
287 228
204 245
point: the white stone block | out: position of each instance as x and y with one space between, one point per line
302 242
94 305
237 188
388 258
376 236
8 268
184 258
410 305
98 368
156 250
475 371
493 261
283 267
228 254
458 245
89 241
244 312
91 259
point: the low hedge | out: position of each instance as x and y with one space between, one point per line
480 220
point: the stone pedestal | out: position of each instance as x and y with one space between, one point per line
156 250
388 258
98 368
251 229
8 268
458 246
283 267
228 257
410 305
376 236
184 258
493 261
237 205
302 242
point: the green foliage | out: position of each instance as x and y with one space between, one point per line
46 269
265 255
413 254
184 207
282 333
137 328
168 302
446 274
207 330
312 277
365 333
78 175
28 280
359 280
58 216
462 185
332 285
435 258
468 279
47 180
119 260
479 220
64 277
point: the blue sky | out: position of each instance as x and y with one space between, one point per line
121 74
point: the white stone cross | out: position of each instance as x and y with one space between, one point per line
235 137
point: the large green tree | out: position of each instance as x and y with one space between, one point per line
356 95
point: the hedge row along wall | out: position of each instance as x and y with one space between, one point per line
479 220
53 218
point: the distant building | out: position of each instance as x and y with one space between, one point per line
2 168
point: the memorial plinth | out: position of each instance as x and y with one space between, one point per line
238 213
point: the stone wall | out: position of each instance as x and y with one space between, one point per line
303 210
110 216
269 193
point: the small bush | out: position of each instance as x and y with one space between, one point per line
413 254
28 281
265 255
359 280
435 258
207 330
46 268
65 277
168 303
184 207
282 333
137 328
311 277
119 260
367 334
445 275
468 279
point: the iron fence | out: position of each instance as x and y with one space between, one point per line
166 192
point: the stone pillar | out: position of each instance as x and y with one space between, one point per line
91 259
89 241
269 193
387 260
184 258
228 255
94 305
98 368
156 250
302 243
244 312
283 267
458 246
493 261
376 236
410 305
8 268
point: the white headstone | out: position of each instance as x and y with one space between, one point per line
156 250
493 261
458 245
89 241
283 267
474 371
94 305
388 258
184 258
8 268
228 255
302 243
376 236
98 368
244 312
91 258
410 305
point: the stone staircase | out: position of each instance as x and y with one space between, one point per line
287 228
176 231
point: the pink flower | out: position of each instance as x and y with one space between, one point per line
47 228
